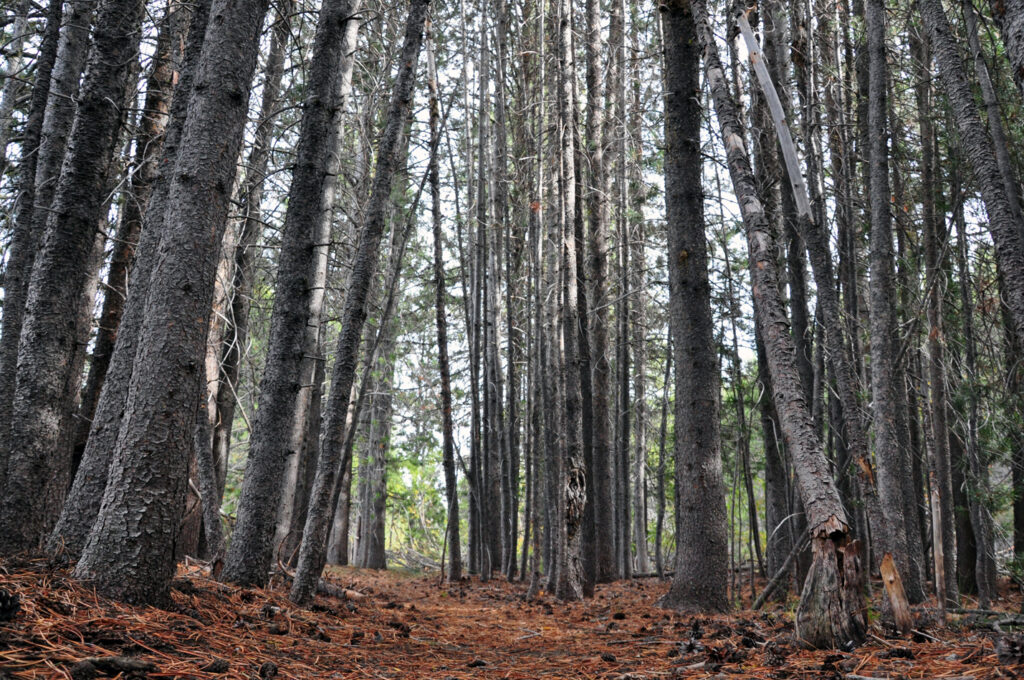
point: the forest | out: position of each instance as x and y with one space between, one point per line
395 329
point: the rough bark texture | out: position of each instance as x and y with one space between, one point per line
980 152
312 553
297 302
83 502
572 481
129 553
1009 15
886 383
39 464
701 579
62 87
21 251
830 611
148 149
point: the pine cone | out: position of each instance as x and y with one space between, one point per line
1010 649
10 603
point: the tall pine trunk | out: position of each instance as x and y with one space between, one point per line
701 578
130 550
299 289
39 464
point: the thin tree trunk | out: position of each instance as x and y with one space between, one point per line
236 330
312 553
440 291
893 461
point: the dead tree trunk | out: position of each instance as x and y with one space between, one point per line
831 605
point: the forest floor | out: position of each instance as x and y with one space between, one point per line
399 625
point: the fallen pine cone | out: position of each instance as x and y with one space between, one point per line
87 669
1010 649
10 603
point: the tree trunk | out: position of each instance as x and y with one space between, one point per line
1009 15
58 117
980 152
700 582
236 330
831 609
39 465
15 48
284 389
148 150
893 461
572 478
83 502
21 252
440 291
129 553
314 540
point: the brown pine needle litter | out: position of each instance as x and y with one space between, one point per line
409 627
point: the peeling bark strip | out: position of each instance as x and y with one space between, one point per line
40 460
298 300
831 609
312 554
129 554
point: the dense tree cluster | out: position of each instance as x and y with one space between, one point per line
709 290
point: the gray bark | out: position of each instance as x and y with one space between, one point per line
299 296
129 552
830 611
39 464
700 582
236 331
886 382
980 152
312 553
21 252
83 501
1009 15
148 146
